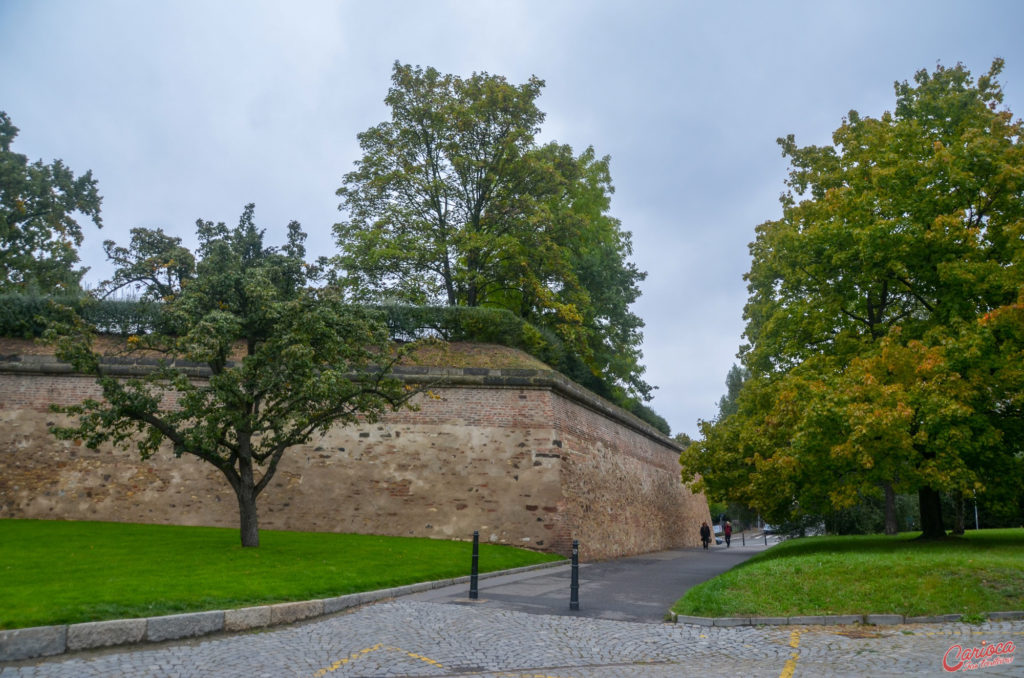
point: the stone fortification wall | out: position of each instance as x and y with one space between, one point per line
526 457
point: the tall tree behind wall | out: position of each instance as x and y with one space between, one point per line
453 202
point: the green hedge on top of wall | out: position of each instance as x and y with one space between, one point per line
25 315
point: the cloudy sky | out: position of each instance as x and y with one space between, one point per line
191 109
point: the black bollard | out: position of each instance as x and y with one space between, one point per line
574 587
473 592
743 536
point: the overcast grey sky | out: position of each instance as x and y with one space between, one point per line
191 109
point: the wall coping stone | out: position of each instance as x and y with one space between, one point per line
469 377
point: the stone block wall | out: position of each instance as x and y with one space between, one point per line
525 457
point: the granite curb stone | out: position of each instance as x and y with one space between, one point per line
883 619
91 635
38 641
808 619
731 621
769 621
286 613
175 626
246 618
837 619
44 641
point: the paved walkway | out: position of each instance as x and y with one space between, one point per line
640 588
415 637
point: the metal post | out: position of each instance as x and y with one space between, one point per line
765 536
574 587
743 535
473 592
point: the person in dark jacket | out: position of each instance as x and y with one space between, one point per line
705 534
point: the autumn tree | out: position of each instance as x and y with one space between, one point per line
39 229
282 361
894 244
453 202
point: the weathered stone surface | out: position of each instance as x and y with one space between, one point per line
339 603
731 621
286 613
836 619
699 621
806 620
186 625
247 618
883 619
105 633
769 621
534 465
1000 616
39 641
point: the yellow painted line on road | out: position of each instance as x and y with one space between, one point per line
362 653
790 667
341 662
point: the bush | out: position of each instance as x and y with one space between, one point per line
26 316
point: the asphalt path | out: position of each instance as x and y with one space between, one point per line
636 589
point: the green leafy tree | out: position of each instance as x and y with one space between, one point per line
154 263
285 360
39 233
728 404
453 202
893 244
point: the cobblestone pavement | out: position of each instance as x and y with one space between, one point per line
407 638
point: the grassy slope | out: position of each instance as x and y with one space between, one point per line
56 572
980 572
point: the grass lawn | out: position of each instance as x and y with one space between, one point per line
982 571
57 572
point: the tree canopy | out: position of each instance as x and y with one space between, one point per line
39 232
284 360
454 202
874 362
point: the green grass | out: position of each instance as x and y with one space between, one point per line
980 572
56 572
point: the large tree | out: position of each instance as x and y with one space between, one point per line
39 232
894 243
284 360
453 202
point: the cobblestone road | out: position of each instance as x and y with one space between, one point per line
407 638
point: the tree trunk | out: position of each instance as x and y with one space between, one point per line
249 523
246 492
931 514
890 510
958 515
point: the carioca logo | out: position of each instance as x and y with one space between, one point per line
958 657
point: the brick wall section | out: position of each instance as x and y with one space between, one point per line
525 457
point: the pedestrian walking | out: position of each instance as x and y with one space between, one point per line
728 533
705 534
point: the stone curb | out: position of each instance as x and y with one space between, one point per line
46 641
833 619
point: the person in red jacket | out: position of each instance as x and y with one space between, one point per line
728 533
